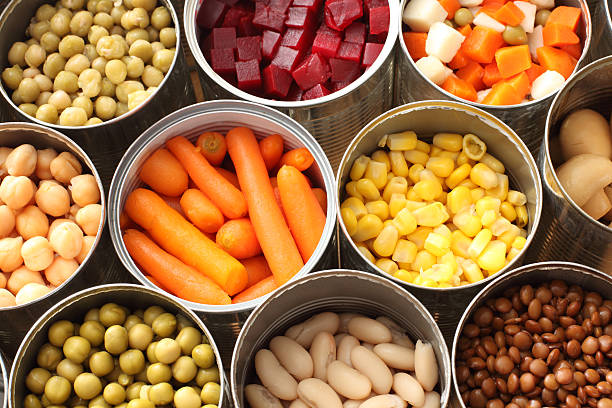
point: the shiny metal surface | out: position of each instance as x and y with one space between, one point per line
338 291
334 119
74 307
572 273
527 119
3 383
602 29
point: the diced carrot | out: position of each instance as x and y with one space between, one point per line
482 43
472 73
534 72
465 30
564 15
491 75
415 43
575 50
460 88
451 6
460 60
491 7
554 59
520 83
513 60
509 14
502 94
555 35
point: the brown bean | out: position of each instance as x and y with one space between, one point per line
604 387
503 305
483 316
558 287
533 327
573 348
513 383
489 388
514 354
476 363
590 345
535 309
553 357
605 343
550 382
592 376
504 365
564 376
575 332
527 382
522 340
538 367
526 294
573 308
544 294
592 391
540 350
477 399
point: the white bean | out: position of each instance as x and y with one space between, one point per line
294 331
317 394
432 400
347 381
384 401
352 403
259 397
370 365
345 318
292 356
407 387
305 332
398 334
369 330
274 377
347 344
323 352
395 356
369 346
338 338
425 365
298 403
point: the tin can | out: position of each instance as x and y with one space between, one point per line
602 28
587 278
337 291
221 116
572 234
333 119
427 118
74 307
526 119
4 383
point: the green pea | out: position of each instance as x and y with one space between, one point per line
463 16
515 35
449 23
542 16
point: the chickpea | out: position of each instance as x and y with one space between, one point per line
73 4
28 90
66 239
47 113
31 222
152 76
53 65
7 299
187 397
153 33
104 19
7 221
21 277
60 270
134 66
91 6
136 34
84 103
108 88
73 116
110 48
28 108
36 30
141 49
156 46
117 12
95 33
99 64
162 60
10 254
139 17
32 41
90 82
43 98
37 253
52 198
64 167
167 36
16 54
31 292
31 72
43 162
80 23
88 243
115 71
21 161
60 100
93 121
136 98
104 6
60 23
77 64
66 81
44 83
45 12
71 45
105 107
35 55
148 5
12 76
16 192
90 52
49 42
160 18
117 30
122 109
84 190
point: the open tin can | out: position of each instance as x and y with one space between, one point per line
4 383
602 28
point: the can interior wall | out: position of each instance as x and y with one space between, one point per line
3 383
602 29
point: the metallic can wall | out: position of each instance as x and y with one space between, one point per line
426 119
334 119
527 119
602 29
4 384
571 233
586 278
337 291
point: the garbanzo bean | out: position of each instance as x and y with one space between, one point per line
104 6
66 239
116 71
73 116
60 100
90 82
110 47
148 5
136 98
28 108
16 54
42 99
122 108
37 29
124 89
60 270
187 397
77 64
35 55
108 88
60 23
64 167
49 42
66 81
45 12
44 157
93 121
84 103
153 33
134 66
21 161
32 401
28 90
52 198
162 60
30 72
105 107
104 19
117 12
7 221
167 36
12 76
90 52
37 253
31 222
94 35
16 192
160 18
44 83
152 76
117 30
136 34
54 64
141 49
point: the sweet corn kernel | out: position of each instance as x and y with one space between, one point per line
438 273
467 222
479 243
523 233
445 285
416 157
440 166
390 175
402 141
443 230
507 211
399 167
356 205
501 190
487 219
379 208
458 175
370 243
442 197
512 253
516 198
483 176
387 222
435 150
405 222
429 175
460 244
500 226
385 242
487 203
519 243
382 157
471 271
463 159
437 244
382 142
458 199
450 260
405 252
419 236
448 141
377 172
493 163
396 203
414 172
367 189
413 205
351 190
423 261
397 185
473 147
359 167
508 236
431 215
349 219
411 195
493 257
366 252
387 265
468 183
406 276
368 226
423 146
428 283
427 190
449 155
521 216
477 193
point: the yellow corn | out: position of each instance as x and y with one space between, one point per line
458 199
379 208
448 141
483 176
445 285
450 260
423 146
415 171
493 257
460 244
467 222
429 175
419 236
468 183
458 175
351 190
368 226
356 205
440 166
405 222
487 219
487 203
442 197
382 142
501 226
471 271
477 193
402 141
473 147
359 167
449 155
438 273
377 172
385 242
413 205
431 215
366 252
406 276
387 265
519 243
390 175
367 189
501 190
435 150
405 251
397 185
422 281
437 244
521 216
507 211
399 167
443 230
382 157
523 233
427 190
508 236
493 163
463 159
416 157
517 198
349 219
423 261
512 253
370 242
411 195
387 222
479 243
396 203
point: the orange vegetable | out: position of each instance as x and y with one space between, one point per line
212 145
481 44
513 60
156 282
534 72
272 148
237 237
321 197
465 30
220 191
415 44
521 84
201 211
491 75
460 60
553 59
277 197
460 88
174 202
575 50
509 14
229 176
257 269
502 94
263 287
300 158
180 279
164 174
564 15
183 240
125 221
273 182
491 7
451 6
556 35
271 230
472 73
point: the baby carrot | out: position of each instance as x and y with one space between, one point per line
261 288
220 191
169 272
180 238
271 149
174 203
201 211
272 232
229 176
279 203
156 282
321 198
164 174
237 238
299 158
213 147
257 269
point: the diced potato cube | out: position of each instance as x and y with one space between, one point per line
470 3
544 4
483 19
535 40
443 42
419 15
480 95
529 10
547 83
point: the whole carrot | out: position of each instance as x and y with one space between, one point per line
220 191
271 148
300 158
164 173
156 282
201 211
213 147
257 269
169 272
321 198
263 287
180 238
304 214
237 238
272 232
229 176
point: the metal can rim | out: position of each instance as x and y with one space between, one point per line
4 382
608 5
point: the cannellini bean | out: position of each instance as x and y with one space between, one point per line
370 365
347 381
37 253
274 376
347 344
398 334
7 299
292 356
345 318
323 352
369 346
584 175
7 221
425 365
338 338
369 330
10 254
305 332
598 205
395 356
317 394
89 218
21 161
30 292
60 270
384 401
298 403
259 397
407 387
432 400
352 403
88 242
42 164
21 277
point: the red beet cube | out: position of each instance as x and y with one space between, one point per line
248 75
370 53
314 70
223 37
286 58
233 16
339 14
349 51
249 48
246 28
295 93
336 86
368 5
344 70
277 81
299 17
379 20
296 38
267 18
315 92
377 38
211 12
270 40
313 5
326 43
355 33
280 5
222 60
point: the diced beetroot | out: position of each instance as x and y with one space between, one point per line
223 37
315 92
295 93
270 40
370 53
314 70
339 14
222 60
233 16
372 4
248 75
323 28
344 70
355 33
311 4
286 58
299 17
211 12
280 5
377 38
326 43
379 20
205 45
296 38
349 51
267 18
249 48
277 81
246 27
336 86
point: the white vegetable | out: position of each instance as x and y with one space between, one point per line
483 19
544 4
535 40
470 3
480 95
432 68
443 41
529 10
474 10
419 15
547 83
